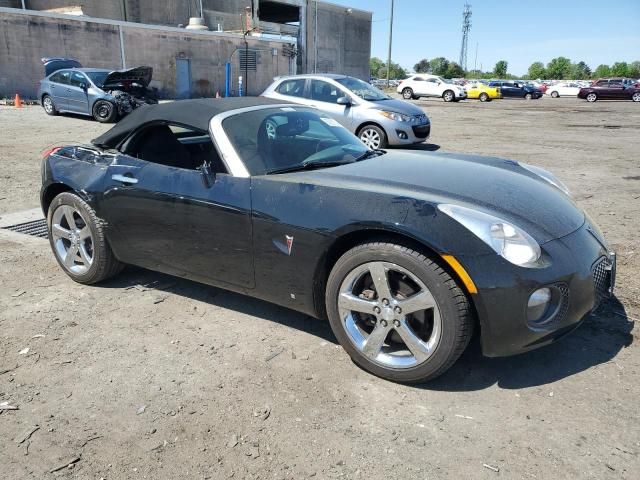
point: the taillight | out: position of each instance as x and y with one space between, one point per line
50 151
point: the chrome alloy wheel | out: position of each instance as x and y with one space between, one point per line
72 239
389 315
370 138
636 97
48 104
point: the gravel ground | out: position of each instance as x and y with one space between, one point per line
149 376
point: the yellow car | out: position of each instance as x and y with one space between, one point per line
482 92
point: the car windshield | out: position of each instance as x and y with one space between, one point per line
276 140
97 78
362 89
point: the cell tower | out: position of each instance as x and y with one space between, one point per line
466 26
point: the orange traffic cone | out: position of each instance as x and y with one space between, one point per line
17 102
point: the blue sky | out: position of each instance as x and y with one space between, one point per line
596 31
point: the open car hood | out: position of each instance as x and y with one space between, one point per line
140 75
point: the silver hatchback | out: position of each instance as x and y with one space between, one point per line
376 118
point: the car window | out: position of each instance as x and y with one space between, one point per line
325 92
77 79
601 83
98 78
362 89
294 88
418 79
176 146
615 83
60 77
273 139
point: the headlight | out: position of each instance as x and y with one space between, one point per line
548 176
507 240
398 117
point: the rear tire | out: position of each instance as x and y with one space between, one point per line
528 96
484 97
373 137
448 96
77 238
407 94
555 94
636 97
104 111
414 345
48 105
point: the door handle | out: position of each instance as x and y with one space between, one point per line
124 179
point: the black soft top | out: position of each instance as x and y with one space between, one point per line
195 113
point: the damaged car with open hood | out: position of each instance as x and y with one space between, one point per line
106 95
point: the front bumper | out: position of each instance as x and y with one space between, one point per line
580 267
403 133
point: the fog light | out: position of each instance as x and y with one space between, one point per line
538 304
402 134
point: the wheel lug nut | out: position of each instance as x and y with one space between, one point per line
376 309
396 323
385 302
383 323
398 310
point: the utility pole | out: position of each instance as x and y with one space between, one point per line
390 42
475 60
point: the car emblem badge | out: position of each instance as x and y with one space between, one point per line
289 244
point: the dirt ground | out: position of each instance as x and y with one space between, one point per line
154 377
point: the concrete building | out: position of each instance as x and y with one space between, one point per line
285 36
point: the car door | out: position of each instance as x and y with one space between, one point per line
324 96
432 87
59 82
616 90
77 98
179 221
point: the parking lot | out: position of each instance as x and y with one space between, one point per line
149 376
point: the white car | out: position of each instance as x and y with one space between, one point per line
423 85
563 89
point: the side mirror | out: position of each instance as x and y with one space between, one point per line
208 175
84 86
343 101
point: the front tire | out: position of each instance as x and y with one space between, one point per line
636 97
407 94
448 96
397 313
105 111
77 239
48 105
528 96
484 97
592 97
373 137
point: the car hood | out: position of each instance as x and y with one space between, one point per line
140 75
394 105
493 185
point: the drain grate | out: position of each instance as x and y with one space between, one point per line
36 228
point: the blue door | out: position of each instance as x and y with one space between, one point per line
183 78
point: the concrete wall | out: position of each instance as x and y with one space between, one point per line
28 36
343 40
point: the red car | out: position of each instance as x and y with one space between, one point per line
611 89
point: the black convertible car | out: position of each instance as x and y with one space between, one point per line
404 251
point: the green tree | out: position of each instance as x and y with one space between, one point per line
559 68
602 71
439 66
423 66
375 64
454 71
500 70
580 71
634 69
396 71
620 69
536 70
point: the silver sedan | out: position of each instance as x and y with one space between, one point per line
377 119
